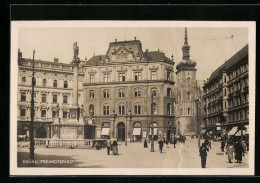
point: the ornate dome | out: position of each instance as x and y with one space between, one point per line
186 64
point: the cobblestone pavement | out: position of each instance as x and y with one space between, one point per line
131 156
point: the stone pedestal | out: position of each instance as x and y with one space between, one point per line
67 131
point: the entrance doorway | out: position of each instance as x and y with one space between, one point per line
121 131
41 132
89 132
168 135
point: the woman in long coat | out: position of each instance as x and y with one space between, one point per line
230 151
114 148
238 151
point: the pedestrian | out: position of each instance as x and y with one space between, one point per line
145 143
230 151
238 151
108 144
166 141
247 145
160 145
222 145
114 147
209 144
174 141
203 154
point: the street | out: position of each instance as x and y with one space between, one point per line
131 156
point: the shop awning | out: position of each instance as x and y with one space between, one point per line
247 129
105 131
154 131
233 131
202 132
137 131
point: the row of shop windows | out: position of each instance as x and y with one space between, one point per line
122 93
44 83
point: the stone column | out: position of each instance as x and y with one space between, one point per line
75 86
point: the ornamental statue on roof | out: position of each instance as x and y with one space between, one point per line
76 51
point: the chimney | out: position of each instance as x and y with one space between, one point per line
115 40
56 60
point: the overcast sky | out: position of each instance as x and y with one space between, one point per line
210 47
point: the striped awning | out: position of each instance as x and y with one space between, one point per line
202 132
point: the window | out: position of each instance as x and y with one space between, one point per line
154 75
22 112
154 108
106 77
154 91
54 98
188 110
91 110
168 76
169 92
169 109
121 109
121 93
91 94
55 83
44 82
65 84
65 114
91 78
137 109
23 96
188 95
43 113
137 92
225 80
225 91
106 93
106 109
24 79
138 76
65 99
53 114
43 97
121 76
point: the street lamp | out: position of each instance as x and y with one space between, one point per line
32 114
152 142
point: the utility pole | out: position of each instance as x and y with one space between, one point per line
152 142
198 122
32 114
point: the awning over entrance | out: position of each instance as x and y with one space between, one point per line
137 131
202 132
233 131
154 131
105 131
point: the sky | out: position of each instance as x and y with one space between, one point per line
209 47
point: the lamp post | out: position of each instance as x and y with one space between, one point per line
152 142
32 114
198 122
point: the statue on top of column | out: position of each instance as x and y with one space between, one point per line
76 51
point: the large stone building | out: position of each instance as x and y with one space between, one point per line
226 95
53 94
117 93
187 91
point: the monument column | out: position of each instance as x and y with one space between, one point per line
75 84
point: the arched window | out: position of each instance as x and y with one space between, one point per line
91 109
44 82
121 93
169 92
65 84
154 108
121 109
24 79
91 94
54 98
137 109
137 92
106 93
106 109
55 83
153 91
169 109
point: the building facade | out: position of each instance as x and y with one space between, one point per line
226 95
187 91
117 92
52 96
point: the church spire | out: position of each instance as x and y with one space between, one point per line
186 47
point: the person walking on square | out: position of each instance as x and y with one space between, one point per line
108 144
230 151
160 145
145 143
222 145
238 151
174 141
114 147
203 154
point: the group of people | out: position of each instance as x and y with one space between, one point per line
112 145
161 142
236 149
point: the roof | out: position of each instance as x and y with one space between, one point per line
232 61
95 60
155 55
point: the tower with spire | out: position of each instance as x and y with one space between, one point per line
186 94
